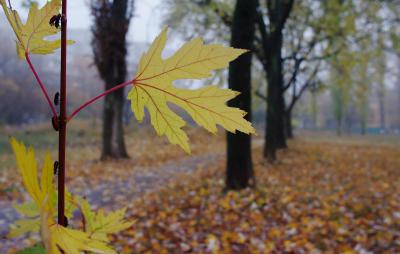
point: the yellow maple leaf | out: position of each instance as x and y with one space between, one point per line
28 169
30 36
99 225
54 236
39 192
153 89
60 240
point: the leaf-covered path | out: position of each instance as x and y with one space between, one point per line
321 197
113 184
117 192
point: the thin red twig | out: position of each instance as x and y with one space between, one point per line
76 111
53 110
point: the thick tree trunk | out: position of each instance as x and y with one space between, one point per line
113 132
278 11
275 107
111 20
281 139
239 171
288 124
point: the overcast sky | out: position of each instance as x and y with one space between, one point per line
144 26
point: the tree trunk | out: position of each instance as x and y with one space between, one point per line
364 115
363 127
381 99
275 107
288 123
314 109
111 23
339 126
398 90
278 11
113 132
281 139
239 170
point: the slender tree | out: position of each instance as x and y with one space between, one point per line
111 24
239 172
380 71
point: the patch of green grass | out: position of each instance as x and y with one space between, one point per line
356 139
43 138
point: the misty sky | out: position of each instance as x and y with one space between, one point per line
144 26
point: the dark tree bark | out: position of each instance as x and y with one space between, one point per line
281 136
278 12
239 172
111 24
288 124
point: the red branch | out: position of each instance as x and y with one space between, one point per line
53 110
76 111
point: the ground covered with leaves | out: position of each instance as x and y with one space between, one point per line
322 196
319 198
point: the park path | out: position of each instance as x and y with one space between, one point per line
114 193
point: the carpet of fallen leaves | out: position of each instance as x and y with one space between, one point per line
319 198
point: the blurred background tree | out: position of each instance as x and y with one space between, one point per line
111 24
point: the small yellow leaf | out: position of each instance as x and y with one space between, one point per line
153 89
99 225
27 209
24 226
30 36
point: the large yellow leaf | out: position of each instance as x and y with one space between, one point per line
153 89
42 193
30 36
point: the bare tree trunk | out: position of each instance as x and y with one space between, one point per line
275 115
314 109
113 132
288 124
364 115
278 12
111 24
339 126
239 169
281 124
